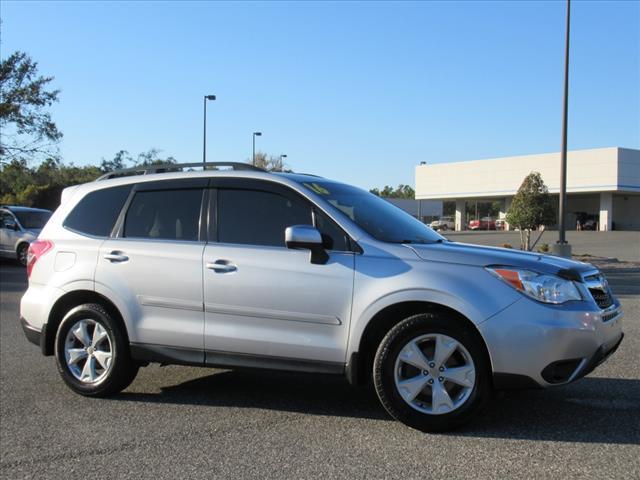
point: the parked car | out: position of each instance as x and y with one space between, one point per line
19 226
485 223
586 221
249 269
444 223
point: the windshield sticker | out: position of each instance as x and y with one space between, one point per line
317 188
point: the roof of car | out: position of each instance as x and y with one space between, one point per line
18 208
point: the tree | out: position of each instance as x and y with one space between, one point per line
119 161
27 128
41 186
531 209
401 191
270 163
122 159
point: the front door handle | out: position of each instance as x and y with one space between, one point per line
115 257
221 266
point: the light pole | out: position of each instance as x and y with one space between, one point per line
255 134
204 136
563 248
282 157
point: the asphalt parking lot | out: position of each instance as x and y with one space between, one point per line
178 422
625 246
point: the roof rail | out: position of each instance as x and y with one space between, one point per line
175 167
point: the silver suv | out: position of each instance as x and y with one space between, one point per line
243 268
19 226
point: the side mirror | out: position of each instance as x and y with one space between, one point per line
306 237
10 224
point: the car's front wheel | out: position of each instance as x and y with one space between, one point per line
22 254
430 373
92 353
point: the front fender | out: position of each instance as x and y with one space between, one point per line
466 289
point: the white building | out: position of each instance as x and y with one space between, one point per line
424 210
603 182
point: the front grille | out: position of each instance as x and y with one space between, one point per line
602 297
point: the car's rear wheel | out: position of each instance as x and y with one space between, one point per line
430 373
92 352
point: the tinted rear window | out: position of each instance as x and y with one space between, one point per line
33 219
164 214
98 211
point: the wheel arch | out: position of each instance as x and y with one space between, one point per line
360 362
72 299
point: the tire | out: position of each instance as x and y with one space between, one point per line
421 403
92 352
21 254
444 228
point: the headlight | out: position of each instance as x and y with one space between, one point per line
541 287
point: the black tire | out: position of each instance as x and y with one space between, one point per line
122 369
385 364
21 254
444 228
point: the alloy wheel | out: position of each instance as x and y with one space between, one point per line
434 374
88 351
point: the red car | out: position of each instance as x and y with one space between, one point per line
485 223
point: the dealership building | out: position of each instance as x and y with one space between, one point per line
603 184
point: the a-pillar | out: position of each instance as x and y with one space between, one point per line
606 211
461 214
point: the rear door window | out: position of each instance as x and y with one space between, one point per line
164 215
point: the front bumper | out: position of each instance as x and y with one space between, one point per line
537 345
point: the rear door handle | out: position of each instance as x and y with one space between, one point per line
221 266
115 257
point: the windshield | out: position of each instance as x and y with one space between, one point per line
32 219
379 218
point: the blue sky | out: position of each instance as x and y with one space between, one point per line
360 92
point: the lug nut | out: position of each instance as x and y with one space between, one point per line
432 364
431 381
424 372
441 379
441 369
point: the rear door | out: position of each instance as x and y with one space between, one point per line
153 263
263 299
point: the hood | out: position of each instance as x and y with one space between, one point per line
481 256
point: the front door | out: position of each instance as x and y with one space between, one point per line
262 299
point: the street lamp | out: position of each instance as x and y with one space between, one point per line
204 136
255 134
282 157
563 248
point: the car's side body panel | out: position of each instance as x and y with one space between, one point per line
277 303
160 283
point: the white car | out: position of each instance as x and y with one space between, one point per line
249 269
19 226
445 223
